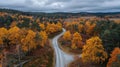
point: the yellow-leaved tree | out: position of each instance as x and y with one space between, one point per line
14 35
28 42
42 26
3 35
59 26
53 28
67 36
50 28
93 51
80 27
76 41
44 38
114 61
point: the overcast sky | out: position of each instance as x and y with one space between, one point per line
62 5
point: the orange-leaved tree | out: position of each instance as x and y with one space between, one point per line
89 27
114 61
76 41
67 36
93 51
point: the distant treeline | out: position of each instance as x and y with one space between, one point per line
63 14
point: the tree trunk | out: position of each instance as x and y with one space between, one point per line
19 54
4 58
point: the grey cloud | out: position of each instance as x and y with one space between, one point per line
62 5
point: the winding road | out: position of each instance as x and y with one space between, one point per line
62 58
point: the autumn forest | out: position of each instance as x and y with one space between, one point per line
29 39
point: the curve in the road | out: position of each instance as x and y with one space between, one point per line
62 58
